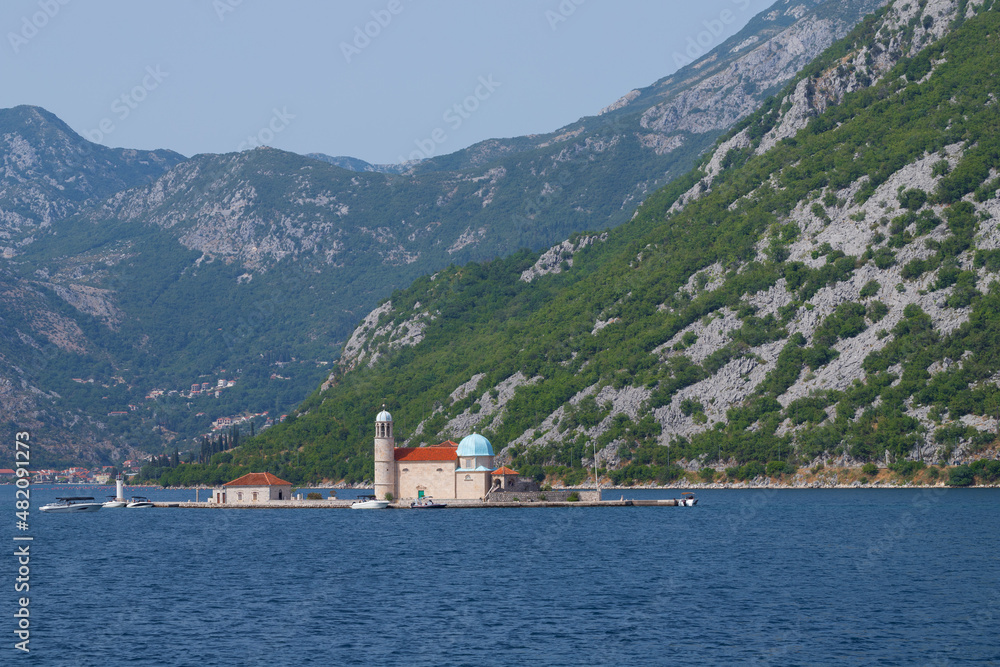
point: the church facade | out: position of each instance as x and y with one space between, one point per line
445 471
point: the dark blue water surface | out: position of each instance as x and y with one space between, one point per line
784 577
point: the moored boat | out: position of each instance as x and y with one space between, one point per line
687 500
139 502
70 504
426 503
113 503
369 503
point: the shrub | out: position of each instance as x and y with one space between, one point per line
912 198
869 469
388 496
961 476
987 471
706 474
778 468
927 222
877 310
573 497
871 288
884 258
754 469
312 495
689 406
914 269
820 212
907 469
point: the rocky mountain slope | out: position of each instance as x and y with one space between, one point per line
48 172
824 284
233 263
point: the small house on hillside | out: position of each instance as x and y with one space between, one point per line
254 487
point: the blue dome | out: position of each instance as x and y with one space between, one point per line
474 445
383 416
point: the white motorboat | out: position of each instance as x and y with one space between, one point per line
369 503
687 500
139 502
113 503
72 504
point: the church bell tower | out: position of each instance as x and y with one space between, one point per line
385 459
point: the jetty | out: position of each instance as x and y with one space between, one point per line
451 504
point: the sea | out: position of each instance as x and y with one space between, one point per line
762 576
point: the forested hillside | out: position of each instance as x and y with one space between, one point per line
130 277
823 285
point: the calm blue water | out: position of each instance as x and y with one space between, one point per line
778 577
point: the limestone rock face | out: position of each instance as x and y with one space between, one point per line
551 260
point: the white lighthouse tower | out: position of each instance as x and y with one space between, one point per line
385 459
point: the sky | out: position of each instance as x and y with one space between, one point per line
381 80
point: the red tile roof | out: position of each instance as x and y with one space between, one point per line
504 470
258 479
442 452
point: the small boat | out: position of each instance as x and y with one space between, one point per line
139 502
426 503
687 500
112 503
72 504
369 503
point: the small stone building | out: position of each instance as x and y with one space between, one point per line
254 487
504 478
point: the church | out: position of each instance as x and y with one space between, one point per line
449 470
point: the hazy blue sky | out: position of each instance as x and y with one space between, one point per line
216 76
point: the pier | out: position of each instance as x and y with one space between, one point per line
451 504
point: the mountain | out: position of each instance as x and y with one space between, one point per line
823 285
48 172
254 268
356 164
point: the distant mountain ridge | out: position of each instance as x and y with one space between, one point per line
357 164
219 263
